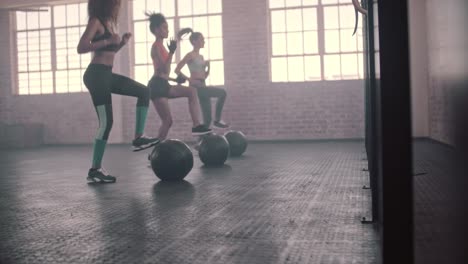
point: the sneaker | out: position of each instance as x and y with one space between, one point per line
220 124
200 130
100 176
144 142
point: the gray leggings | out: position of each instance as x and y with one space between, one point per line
205 93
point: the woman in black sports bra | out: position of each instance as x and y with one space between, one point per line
100 38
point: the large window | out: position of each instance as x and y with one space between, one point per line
312 40
47 61
201 15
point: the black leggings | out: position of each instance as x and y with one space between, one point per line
205 93
101 83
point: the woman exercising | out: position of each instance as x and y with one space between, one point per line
100 38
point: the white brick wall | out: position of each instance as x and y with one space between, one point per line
261 109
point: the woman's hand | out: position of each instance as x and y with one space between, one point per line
114 39
125 38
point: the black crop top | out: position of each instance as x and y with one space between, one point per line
107 34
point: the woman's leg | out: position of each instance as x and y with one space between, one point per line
205 105
161 104
191 93
97 79
125 86
220 95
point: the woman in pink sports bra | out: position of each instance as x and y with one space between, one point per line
160 89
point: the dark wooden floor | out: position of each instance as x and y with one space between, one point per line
298 202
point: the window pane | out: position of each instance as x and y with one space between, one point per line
153 6
33 40
278 21
332 41
186 22
34 83
332 67
309 2
23 83
139 8
359 39
294 20
170 24
185 7
215 6
216 76
20 20
34 61
33 20
361 66
200 7
295 43
347 16
46 60
60 38
169 7
186 47
310 18
61 58
330 17
216 26
310 42
72 15
61 81
200 24
348 42
279 44
74 81
21 41
141 29
44 17
296 69
327 2
312 68
349 66
73 59
279 70
142 73
47 84
83 13
22 61
59 16
276 3
45 40
290 3
142 53
216 49
73 37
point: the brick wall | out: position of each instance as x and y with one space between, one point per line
447 50
261 109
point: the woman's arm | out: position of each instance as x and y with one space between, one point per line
187 58
207 69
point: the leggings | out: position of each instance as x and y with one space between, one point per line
205 93
101 83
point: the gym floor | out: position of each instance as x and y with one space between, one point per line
295 202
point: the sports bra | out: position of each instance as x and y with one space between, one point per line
197 64
107 34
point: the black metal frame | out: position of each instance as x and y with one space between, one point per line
388 130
